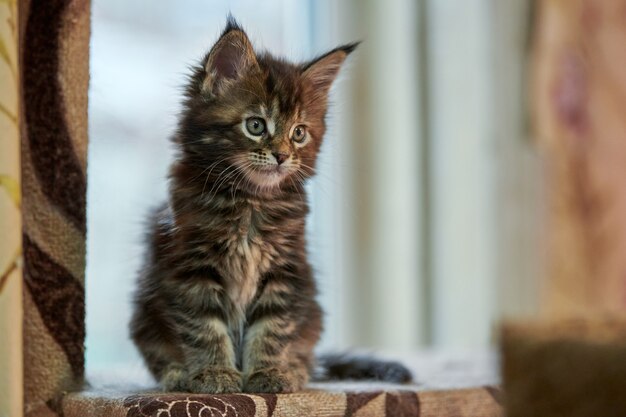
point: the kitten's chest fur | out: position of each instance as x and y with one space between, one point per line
245 241
248 253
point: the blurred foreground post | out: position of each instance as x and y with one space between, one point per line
563 366
578 107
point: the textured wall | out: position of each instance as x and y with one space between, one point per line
54 52
10 218
579 105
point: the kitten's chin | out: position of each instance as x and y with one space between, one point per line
266 179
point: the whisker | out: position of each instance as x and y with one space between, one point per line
227 173
207 168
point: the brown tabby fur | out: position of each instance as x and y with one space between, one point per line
226 298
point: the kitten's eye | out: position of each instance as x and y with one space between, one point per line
299 134
256 126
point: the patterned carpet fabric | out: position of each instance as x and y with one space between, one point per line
475 402
54 52
447 384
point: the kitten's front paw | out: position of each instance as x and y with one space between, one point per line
272 380
216 380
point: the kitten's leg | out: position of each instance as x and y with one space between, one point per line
156 344
199 320
284 326
210 357
170 372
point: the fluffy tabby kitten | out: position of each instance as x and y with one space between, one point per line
226 298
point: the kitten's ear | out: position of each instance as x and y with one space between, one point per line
230 58
322 71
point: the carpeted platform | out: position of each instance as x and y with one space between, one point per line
475 402
447 384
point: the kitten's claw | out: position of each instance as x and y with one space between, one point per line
216 380
272 380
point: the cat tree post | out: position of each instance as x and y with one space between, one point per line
54 59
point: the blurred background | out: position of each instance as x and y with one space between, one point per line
428 197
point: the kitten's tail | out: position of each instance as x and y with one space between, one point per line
357 367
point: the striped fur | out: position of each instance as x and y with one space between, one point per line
226 299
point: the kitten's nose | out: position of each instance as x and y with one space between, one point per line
280 156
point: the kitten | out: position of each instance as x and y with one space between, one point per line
226 298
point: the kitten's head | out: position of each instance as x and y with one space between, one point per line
252 120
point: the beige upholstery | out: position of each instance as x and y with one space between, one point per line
10 218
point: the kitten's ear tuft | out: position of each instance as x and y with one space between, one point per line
231 24
349 47
322 71
230 58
